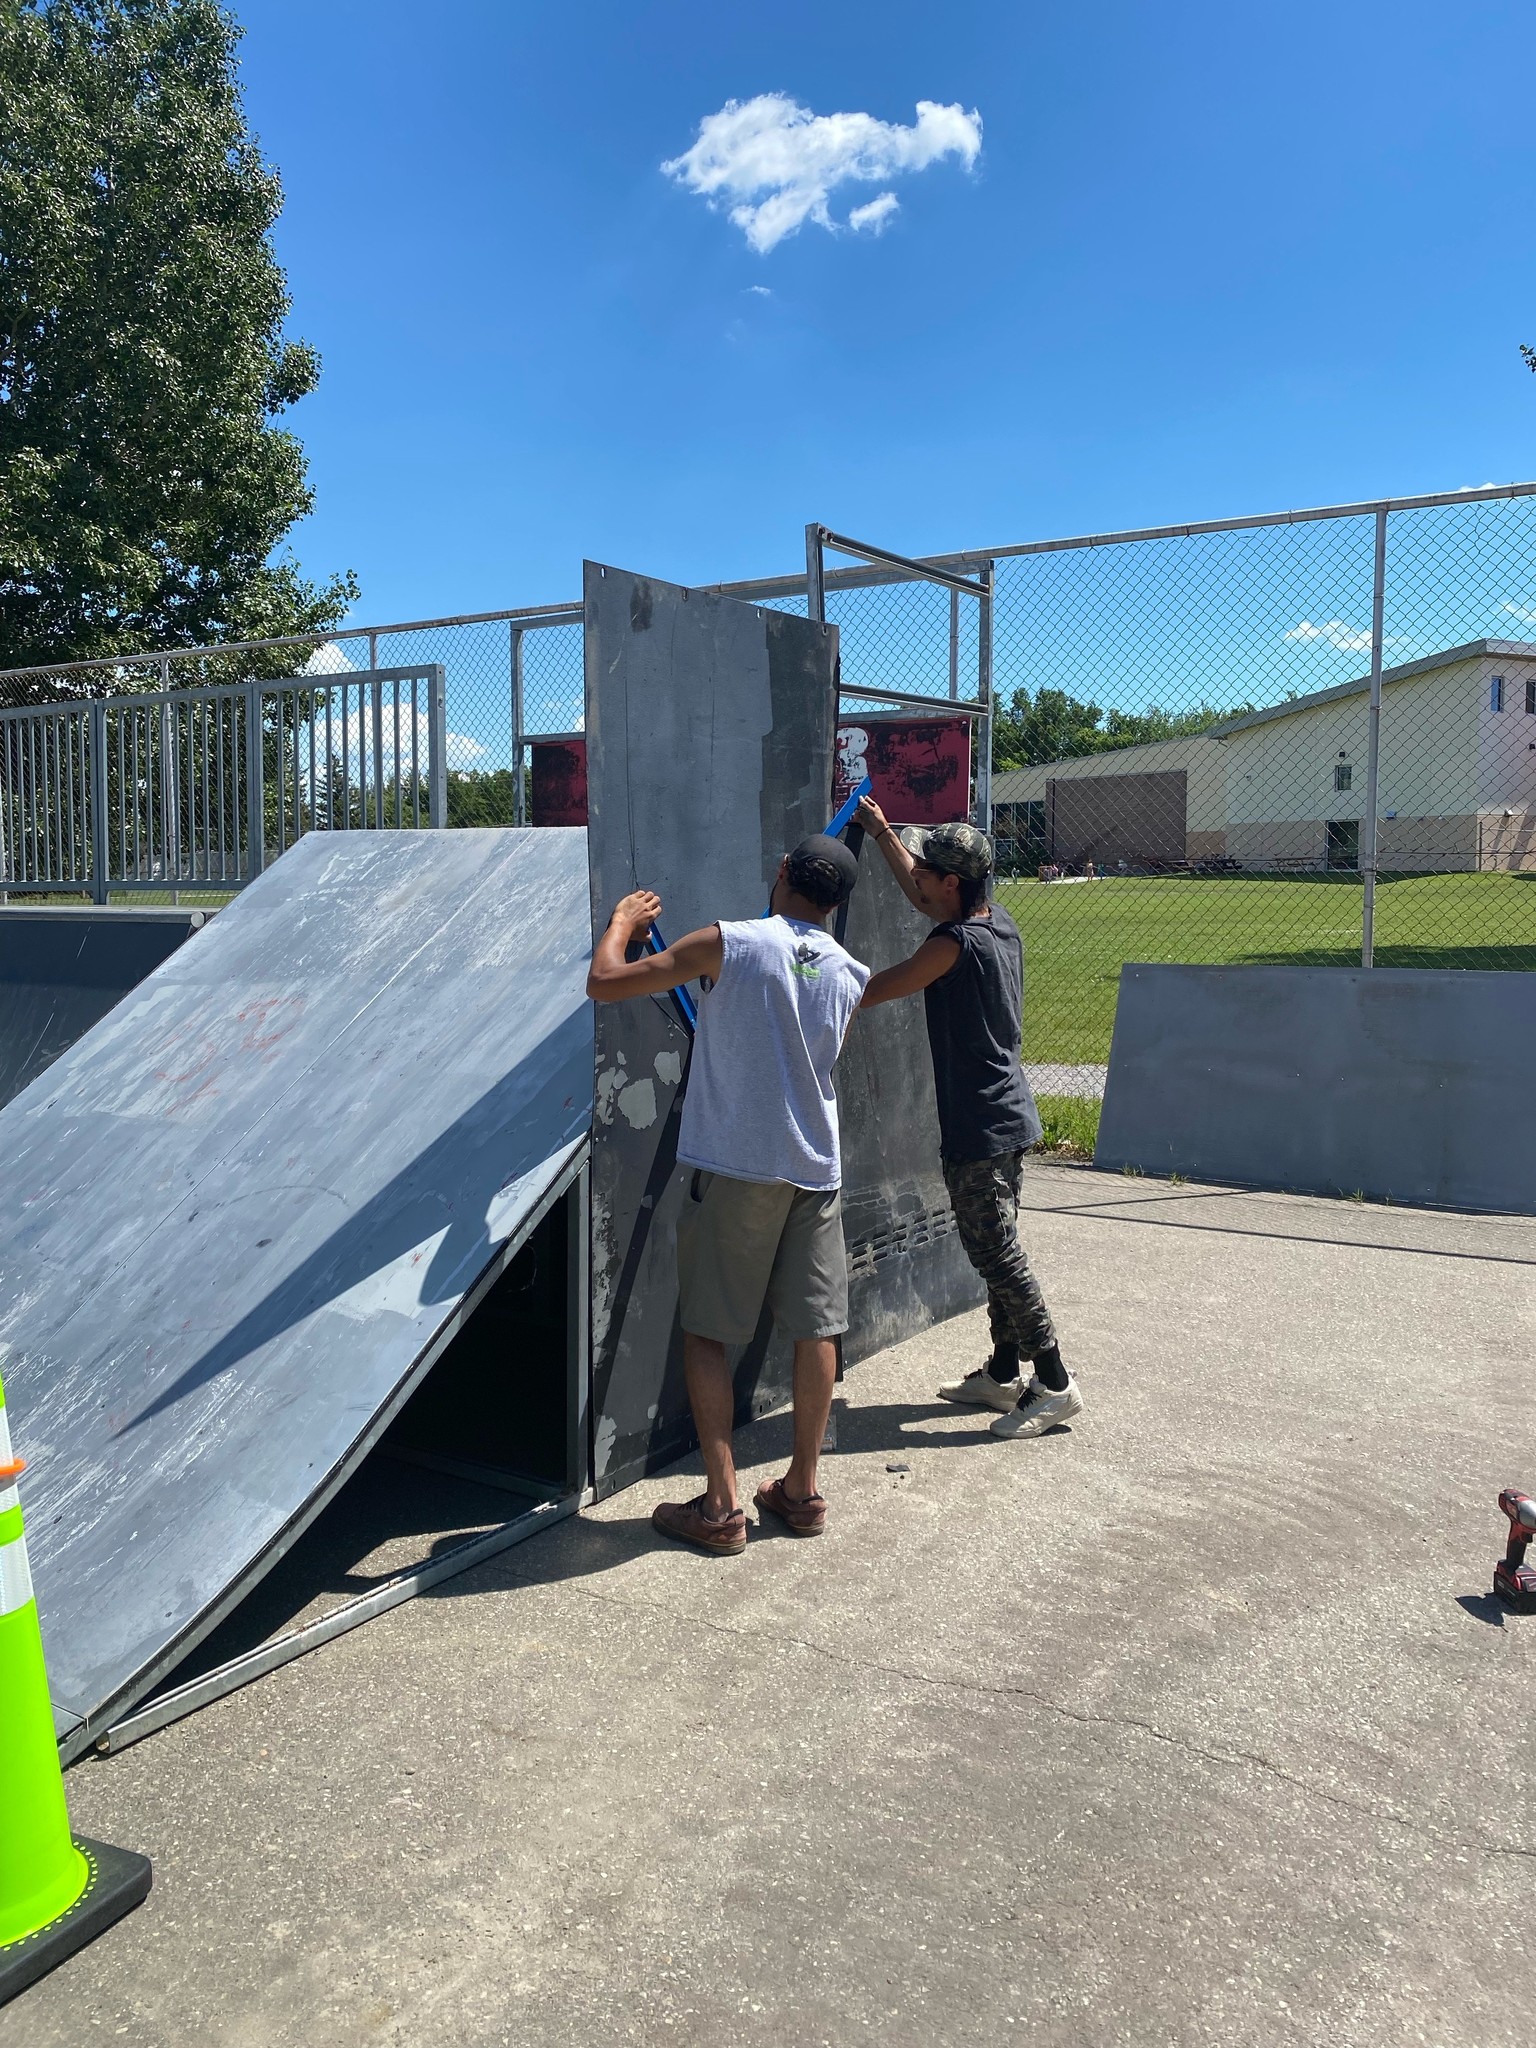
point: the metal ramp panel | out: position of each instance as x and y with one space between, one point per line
240 1217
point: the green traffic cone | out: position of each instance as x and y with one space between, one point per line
56 1892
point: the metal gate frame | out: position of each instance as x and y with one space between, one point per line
158 790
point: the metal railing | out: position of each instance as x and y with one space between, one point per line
200 788
856 692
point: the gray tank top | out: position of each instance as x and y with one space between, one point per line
760 1104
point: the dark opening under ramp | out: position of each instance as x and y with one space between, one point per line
240 1217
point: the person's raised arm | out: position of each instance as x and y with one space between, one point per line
897 859
613 979
933 958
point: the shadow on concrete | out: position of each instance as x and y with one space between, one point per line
585 1547
389 1517
1484 1607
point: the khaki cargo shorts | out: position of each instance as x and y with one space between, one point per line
743 1242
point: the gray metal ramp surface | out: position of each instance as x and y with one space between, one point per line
236 1216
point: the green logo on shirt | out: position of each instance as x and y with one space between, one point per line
805 962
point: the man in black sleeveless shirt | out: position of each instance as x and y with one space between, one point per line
970 970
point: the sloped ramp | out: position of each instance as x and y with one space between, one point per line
237 1217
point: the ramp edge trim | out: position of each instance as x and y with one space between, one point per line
394 1592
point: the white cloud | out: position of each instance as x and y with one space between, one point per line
874 217
329 659
780 163
759 291
1335 632
1520 611
352 739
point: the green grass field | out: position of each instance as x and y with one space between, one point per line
1077 936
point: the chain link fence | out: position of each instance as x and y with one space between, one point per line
1185 757
1181 732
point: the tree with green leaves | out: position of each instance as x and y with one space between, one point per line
145 487
1056 726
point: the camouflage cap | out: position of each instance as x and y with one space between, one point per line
952 849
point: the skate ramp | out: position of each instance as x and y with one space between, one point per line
1396 1083
240 1214
62 970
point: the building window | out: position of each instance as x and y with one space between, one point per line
1343 776
1530 697
1034 820
1342 848
1496 694
1019 830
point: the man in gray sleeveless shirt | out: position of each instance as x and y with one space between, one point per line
762 1222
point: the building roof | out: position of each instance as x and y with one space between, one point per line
1506 650
1509 649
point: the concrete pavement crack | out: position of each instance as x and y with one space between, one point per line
1130 1722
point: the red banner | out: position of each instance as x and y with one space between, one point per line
559 782
920 767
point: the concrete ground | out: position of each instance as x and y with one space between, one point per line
1193 1725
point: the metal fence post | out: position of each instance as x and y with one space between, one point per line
815 576
519 805
100 835
437 744
1373 747
172 729
255 786
987 578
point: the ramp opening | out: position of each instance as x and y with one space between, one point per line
490 1447
495 1407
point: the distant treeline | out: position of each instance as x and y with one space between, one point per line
1053 726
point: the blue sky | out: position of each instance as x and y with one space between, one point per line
1208 260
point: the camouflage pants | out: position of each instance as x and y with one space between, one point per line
984 1194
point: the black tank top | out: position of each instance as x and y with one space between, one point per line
975 1015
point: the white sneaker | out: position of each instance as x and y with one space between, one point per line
979 1390
1039 1410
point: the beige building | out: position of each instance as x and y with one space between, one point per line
1283 788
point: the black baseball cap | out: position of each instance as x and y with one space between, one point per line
824 870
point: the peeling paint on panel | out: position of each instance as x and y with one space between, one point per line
606 1436
669 1068
638 1102
609 1082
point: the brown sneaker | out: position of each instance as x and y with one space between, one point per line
800 1517
686 1522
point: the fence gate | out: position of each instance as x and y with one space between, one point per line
200 788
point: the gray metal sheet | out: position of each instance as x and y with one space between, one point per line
1398 1083
62 970
709 734
235 1215
906 1266
709 751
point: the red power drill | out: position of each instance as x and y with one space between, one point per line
1513 1579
